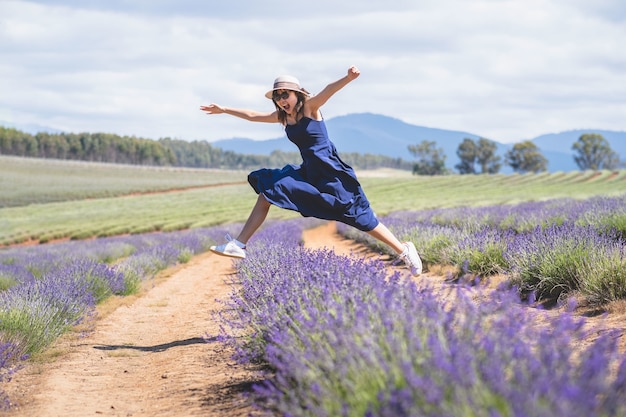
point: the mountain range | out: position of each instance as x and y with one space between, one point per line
378 134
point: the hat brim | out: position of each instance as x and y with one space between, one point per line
270 93
282 85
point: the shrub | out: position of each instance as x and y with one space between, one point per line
561 259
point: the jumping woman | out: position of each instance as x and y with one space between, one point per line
324 186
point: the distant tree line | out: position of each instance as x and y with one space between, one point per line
95 147
592 152
111 148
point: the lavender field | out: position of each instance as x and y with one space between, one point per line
548 250
45 290
338 336
341 338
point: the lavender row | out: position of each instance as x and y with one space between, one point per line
341 338
45 290
603 212
548 249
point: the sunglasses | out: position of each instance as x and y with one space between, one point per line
281 96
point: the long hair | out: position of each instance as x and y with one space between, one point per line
282 115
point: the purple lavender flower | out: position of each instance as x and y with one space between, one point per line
10 358
36 313
46 289
341 338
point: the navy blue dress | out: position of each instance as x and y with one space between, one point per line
324 186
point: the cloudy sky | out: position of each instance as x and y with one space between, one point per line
507 70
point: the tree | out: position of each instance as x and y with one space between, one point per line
430 160
15 142
467 153
526 157
487 159
482 153
594 152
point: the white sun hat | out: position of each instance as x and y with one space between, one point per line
286 82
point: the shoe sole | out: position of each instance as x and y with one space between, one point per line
227 254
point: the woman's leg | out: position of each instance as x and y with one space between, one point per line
407 250
383 234
255 220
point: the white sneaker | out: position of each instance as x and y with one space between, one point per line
232 248
411 258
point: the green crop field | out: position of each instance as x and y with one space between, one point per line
422 192
27 181
42 200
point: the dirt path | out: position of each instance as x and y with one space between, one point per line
156 354
147 355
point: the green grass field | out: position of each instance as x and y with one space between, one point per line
27 181
42 200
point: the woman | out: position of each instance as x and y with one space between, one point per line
323 186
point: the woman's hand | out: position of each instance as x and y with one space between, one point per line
353 72
213 109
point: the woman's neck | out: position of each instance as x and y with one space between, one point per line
292 119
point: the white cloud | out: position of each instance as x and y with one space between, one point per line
504 69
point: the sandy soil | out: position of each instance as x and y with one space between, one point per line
155 354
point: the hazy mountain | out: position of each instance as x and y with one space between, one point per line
30 128
377 134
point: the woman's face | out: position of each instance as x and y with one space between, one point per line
286 100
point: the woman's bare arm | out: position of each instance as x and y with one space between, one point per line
251 115
318 100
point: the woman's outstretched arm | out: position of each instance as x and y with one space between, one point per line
322 97
251 115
